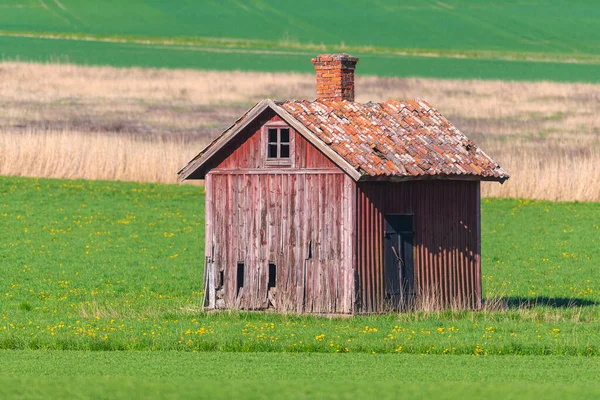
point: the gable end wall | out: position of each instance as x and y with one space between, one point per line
247 151
301 219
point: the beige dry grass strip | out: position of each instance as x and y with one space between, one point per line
62 121
58 82
548 102
548 175
70 154
484 110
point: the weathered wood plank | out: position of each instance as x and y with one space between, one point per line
279 215
351 287
304 234
209 298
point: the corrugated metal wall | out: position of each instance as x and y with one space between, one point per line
446 241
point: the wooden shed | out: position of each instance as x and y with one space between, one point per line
332 206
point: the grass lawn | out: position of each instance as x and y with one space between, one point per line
100 375
95 265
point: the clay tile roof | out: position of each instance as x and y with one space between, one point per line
407 139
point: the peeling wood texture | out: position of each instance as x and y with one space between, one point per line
299 222
300 219
249 151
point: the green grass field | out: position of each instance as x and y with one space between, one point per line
96 265
158 375
118 266
548 25
530 40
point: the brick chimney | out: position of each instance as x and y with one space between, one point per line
335 76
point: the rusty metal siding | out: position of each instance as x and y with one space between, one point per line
446 241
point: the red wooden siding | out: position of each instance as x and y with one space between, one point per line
446 243
324 233
302 222
299 218
249 150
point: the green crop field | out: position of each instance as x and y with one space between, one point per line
525 40
170 375
96 265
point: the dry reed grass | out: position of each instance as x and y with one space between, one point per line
551 171
498 308
144 124
73 154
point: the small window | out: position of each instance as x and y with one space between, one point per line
240 278
278 146
272 276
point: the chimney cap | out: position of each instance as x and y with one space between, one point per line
340 57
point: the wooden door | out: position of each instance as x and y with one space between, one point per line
398 260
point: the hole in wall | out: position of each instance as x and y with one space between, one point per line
239 278
272 282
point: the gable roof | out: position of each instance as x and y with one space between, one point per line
394 140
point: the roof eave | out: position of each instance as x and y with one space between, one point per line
315 141
457 177
213 147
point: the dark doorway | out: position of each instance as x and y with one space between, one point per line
399 260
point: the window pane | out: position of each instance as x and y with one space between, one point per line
285 151
272 135
272 151
285 135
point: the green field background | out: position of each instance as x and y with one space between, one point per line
534 25
507 40
90 268
130 54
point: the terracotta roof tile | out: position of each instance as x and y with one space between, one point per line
394 138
